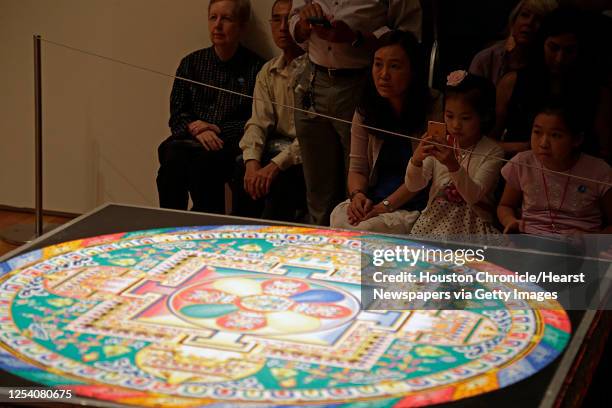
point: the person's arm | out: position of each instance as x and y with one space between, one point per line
420 166
182 117
512 196
360 204
181 108
418 176
299 28
474 188
289 156
397 199
359 172
505 87
251 169
400 197
479 64
510 200
358 157
262 119
357 182
253 141
405 15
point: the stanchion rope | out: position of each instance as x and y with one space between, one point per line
371 128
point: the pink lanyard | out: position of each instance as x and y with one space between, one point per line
550 213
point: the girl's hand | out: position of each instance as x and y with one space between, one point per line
358 208
423 150
576 239
514 227
446 156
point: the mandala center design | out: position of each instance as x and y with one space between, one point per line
266 303
263 305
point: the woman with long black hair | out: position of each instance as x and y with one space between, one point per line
396 98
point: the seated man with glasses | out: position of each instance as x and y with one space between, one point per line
272 178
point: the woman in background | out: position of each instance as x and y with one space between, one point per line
512 53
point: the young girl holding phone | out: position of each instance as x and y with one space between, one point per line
464 169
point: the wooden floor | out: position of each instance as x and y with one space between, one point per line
11 218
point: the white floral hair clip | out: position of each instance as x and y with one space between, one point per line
455 77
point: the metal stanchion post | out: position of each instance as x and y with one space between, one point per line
433 57
22 233
38 136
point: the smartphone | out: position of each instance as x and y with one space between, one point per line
437 130
319 21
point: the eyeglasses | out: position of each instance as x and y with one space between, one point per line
277 19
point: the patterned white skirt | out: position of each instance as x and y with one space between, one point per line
442 217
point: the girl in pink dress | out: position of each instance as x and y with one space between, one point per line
560 190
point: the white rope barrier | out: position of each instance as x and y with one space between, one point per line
294 108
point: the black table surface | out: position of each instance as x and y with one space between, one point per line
540 389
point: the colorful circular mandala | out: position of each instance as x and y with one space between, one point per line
264 305
194 316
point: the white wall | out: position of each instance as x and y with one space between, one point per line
102 121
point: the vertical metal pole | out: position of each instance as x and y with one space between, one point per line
433 58
19 234
38 137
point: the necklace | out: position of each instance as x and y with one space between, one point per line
550 212
460 156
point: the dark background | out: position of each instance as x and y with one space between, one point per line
467 26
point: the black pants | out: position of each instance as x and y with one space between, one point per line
187 168
286 200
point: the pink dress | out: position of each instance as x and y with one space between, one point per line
579 210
